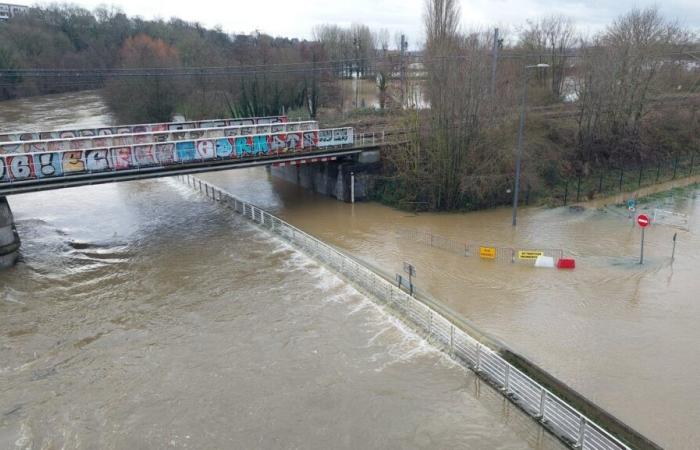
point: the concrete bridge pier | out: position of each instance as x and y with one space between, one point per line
333 178
9 239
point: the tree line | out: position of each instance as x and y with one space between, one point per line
599 101
70 37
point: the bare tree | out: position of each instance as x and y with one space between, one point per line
551 40
619 73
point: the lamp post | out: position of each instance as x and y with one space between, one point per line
519 154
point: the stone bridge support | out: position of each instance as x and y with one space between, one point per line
9 239
333 178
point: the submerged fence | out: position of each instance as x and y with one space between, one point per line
553 413
480 250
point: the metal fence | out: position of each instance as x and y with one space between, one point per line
553 413
465 248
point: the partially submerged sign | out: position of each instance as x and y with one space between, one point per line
529 254
487 252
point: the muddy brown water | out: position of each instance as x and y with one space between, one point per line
143 316
624 335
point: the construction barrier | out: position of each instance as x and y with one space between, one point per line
483 251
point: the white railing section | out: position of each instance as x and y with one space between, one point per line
151 137
139 128
547 408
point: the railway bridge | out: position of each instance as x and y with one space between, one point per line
57 159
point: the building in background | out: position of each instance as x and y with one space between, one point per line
8 10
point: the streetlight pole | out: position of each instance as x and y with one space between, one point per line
519 153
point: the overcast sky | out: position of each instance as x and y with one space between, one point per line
296 18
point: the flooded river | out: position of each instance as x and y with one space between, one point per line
143 316
622 334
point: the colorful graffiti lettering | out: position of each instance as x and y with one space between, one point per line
260 145
97 160
73 162
293 140
144 155
205 150
185 151
244 146
21 167
165 153
278 142
310 139
3 170
224 148
121 157
47 165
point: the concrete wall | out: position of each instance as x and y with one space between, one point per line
333 178
9 240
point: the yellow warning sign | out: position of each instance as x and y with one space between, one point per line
487 252
529 254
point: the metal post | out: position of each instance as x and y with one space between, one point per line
622 173
566 192
673 253
692 163
578 190
581 433
519 154
641 171
402 69
478 357
641 256
494 61
543 400
506 382
352 187
675 167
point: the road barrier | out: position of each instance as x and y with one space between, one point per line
484 251
444 329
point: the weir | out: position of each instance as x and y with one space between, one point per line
561 410
9 239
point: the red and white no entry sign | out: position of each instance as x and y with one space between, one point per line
643 220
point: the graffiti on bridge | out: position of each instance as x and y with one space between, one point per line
41 165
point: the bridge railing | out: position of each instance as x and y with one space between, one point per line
551 411
48 166
95 142
139 128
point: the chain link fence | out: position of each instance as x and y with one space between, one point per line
572 427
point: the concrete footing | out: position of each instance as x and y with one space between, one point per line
9 239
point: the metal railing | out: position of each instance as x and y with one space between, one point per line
142 127
465 248
151 137
553 413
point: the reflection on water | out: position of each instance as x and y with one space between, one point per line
623 334
143 316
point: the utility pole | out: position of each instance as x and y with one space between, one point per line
519 154
404 46
494 61
356 43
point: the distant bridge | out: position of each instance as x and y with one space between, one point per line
43 160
